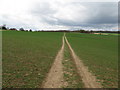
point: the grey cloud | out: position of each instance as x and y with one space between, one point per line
44 12
106 13
43 9
93 15
98 13
12 23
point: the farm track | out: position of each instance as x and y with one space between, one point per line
55 79
55 75
88 79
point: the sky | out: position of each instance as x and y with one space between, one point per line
60 14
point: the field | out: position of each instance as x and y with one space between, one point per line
111 34
27 57
71 76
36 59
99 53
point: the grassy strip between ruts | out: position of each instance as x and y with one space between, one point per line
100 54
71 77
27 57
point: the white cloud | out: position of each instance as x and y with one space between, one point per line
58 14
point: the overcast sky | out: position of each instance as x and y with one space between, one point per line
60 14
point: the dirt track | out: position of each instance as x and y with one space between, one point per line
55 76
88 79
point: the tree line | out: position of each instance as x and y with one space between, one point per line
3 27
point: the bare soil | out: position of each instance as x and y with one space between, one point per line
55 75
55 79
88 79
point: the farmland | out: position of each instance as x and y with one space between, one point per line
112 34
71 76
27 57
100 54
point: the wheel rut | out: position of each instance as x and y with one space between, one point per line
55 76
55 79
88 78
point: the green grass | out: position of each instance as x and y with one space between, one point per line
27 57
99 53
71 77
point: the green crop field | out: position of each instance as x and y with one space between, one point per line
99 53
71 76
27 57
111 34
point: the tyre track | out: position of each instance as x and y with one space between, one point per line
88 79
55 75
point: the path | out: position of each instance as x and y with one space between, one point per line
55 76
88 79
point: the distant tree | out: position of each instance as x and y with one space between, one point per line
91 31
82 31
21 29
4 27
30 30
13 29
